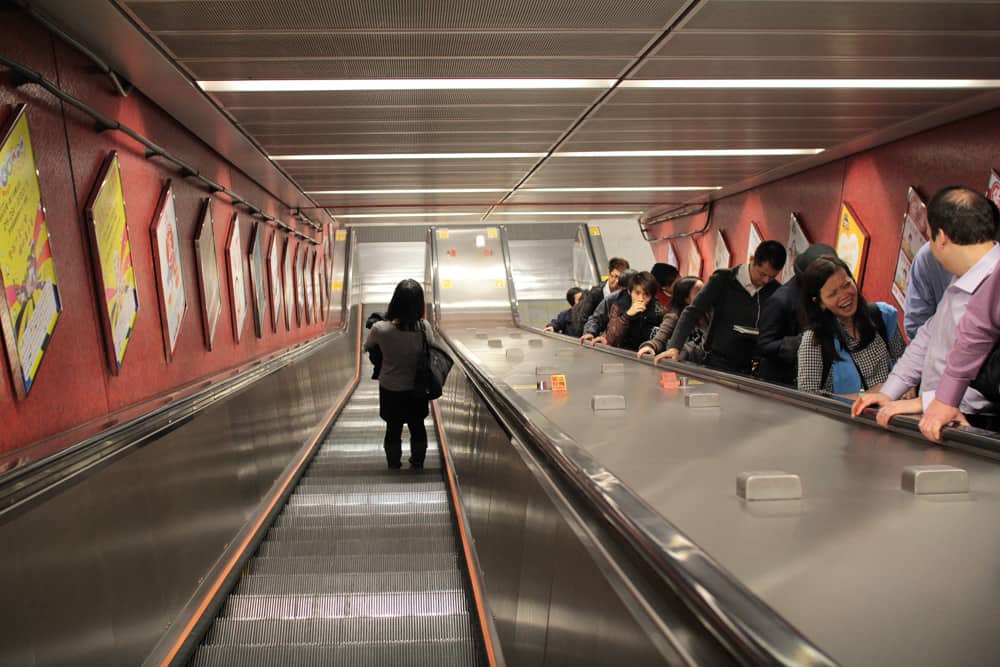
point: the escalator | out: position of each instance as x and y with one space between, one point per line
362 566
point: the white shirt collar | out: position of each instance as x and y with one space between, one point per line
970 281
743 275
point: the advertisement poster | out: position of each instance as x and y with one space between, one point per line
672 255
993 189
300 285
693 266
274 275
208 273
307 278
916 232
112 251
722 256
754 240
797 242
852 243
237 280
288 283
169 276
258 280
317 284
32 301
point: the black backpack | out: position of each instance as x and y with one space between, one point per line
433 367
987 382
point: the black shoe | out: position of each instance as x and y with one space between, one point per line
395 466
416 464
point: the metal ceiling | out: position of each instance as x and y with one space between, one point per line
607 39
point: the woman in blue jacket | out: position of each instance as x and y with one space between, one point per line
849 345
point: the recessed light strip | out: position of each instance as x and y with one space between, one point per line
460 215
410 156
348 85
714 152
874 84
456 191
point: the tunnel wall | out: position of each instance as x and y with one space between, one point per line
873 183
75 386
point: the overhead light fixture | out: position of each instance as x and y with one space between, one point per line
877 84
405 215
714 152
410 156
648 188
534 213
420 191
347 85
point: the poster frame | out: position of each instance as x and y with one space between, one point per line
288 281
796 234
274 280
258 279
161 267
110 165
695 262
754 239
22 385
846 217
910 230
207 261
237 278
721 251
993 187
300 288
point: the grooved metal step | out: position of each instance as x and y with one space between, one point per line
360 568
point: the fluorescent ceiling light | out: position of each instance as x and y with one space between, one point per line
878 84
717 152
648 188
532 213
404 215
325 85
429 191
410 156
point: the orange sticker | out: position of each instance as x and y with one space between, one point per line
558 383
668 380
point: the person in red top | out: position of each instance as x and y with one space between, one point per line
667 276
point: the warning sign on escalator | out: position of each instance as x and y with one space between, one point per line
595 231
501 282
491 233
442 233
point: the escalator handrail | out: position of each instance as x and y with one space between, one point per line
745 624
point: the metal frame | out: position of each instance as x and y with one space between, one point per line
511 290
435 273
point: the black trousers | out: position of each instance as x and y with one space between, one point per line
393 443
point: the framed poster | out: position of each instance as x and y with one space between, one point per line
288 283
237 280
852 242
32 301
317 269
328 264
993 188
307 278
721 251
112 253
797 242
274 275
208 273
258 279
672 255
324 286
916 231
167 263
300 286
754 240
693 258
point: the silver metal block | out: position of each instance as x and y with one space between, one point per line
601 402
701 400
613 369
929 479
534 342
546 370
495 342
768 485
515 354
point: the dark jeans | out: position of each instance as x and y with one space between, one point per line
393 443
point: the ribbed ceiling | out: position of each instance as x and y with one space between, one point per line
582 39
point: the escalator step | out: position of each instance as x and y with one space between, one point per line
374 563
314 516
277 632
346 605
404 654
333 533
351 582
345 547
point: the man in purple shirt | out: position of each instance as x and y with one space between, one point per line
963 225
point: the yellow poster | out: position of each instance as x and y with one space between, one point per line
106 214
852 242
32 301
341 235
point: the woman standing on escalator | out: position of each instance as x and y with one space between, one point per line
401 337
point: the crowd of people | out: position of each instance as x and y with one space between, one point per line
817 333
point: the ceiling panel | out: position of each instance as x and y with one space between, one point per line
200 46
694 140
565 113
496 125
722 123
728 67
378 98
737 109
402 14
725 96
414 143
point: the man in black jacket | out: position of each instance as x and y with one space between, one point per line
780 329
593 297
735 297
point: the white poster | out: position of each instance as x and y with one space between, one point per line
672 255
167 255
722 256
797 243
693 259
754 241
993 189
915 233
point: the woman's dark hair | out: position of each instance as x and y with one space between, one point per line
646 281
682 293
823 322
571 295
407 305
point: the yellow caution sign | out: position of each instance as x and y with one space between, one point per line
595 231
445 284
338 284
341 235
491 233
501 282
442 233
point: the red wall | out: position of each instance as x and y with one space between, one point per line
873 184
74 386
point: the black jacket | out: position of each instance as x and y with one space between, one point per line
562 322
630 331
584 308
731 305
780 335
